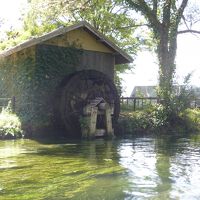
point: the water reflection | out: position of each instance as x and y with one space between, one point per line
164 148
140 159
185 169
162 168
165 167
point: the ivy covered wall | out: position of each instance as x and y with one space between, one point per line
32 76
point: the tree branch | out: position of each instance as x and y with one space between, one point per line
166 13
155 7
181 10
133 26
189 31
141 5
185 22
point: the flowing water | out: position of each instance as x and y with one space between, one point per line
136 168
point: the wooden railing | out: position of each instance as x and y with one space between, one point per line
136 103
5 101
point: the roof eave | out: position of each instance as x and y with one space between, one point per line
123 57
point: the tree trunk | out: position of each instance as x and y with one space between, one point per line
166 51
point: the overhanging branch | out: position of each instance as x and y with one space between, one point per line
189 31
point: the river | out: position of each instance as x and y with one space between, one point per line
139 168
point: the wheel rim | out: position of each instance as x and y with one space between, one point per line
79 90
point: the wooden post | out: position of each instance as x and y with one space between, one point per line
97 107
109 128
93 121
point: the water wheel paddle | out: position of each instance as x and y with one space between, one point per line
77 90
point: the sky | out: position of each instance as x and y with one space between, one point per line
10 10
145 70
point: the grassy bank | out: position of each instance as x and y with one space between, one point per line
155 120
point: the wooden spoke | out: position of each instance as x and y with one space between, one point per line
78 90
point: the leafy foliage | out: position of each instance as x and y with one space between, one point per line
10 125
191 117
107 16
144 121
33 82
155 120
118 83
183 99
159 116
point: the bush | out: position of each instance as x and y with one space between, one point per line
142 120
191 117
155 120
159 116
10 125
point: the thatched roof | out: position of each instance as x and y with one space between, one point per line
121 57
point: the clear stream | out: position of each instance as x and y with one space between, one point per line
137 168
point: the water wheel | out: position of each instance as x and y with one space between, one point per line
77 90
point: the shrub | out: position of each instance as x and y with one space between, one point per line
136 121
155 120
10 125
191 117
152 119
159 116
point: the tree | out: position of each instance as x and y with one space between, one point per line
107 16
164 19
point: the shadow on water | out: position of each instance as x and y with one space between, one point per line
97 149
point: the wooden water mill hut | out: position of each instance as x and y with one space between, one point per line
56 76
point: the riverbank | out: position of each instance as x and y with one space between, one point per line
152 120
